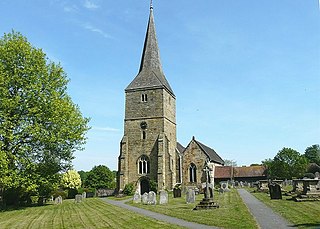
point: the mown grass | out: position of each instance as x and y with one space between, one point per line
232 212
91 213
301 214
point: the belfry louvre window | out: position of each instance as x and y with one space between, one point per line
144 165
193 173
144 97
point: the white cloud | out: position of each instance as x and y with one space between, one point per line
90 5
91 28
70 9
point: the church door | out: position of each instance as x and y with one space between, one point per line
144 186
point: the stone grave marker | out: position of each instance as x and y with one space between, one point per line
58 200
137 197
317 175
275 191
144 198
78 198
152 198
163 197
176 192
84 195
190 196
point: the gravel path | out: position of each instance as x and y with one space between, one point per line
158 216
265 217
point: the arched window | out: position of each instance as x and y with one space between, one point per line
144 165
144 135
193 173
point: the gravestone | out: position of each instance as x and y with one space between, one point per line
144 198
137 197
163 197
78 198
190 196
58 200
224 187
275 191
176 192
317 175
84 195
152 198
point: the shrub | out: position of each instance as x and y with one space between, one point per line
153 186
129 189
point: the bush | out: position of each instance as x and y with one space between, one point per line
129 189
153 186
72 192
62 193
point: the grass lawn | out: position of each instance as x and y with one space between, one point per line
232 212
301 214
91 213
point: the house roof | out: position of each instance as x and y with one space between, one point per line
180 148
222 172
150 74
248 171
213 156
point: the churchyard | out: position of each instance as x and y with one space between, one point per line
301 214
232 212
90 213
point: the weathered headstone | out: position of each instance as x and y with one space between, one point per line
78 198
58 200
84 195
190 196
137 197
317 175
152 198
176 192
144 198
163 197
275 191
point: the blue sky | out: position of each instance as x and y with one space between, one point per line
246 73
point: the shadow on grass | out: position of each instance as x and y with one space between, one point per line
311 225
17 208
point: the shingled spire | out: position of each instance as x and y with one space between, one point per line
150 73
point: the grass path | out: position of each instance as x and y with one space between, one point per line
91 213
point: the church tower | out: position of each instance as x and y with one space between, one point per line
147 149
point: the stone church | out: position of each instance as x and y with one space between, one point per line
149 151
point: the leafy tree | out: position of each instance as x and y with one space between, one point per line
286 164
71 180
312 153
83 176
230 162
100 177
40 127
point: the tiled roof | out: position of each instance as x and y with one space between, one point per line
245 172
213 156
150 73
249 171
222 172
180 148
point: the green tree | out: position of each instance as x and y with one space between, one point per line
312 153
40 126
83 176
286 164
100 177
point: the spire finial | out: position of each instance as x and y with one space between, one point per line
151 5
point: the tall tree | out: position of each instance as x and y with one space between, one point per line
40 126
100 177
286 164
312 153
